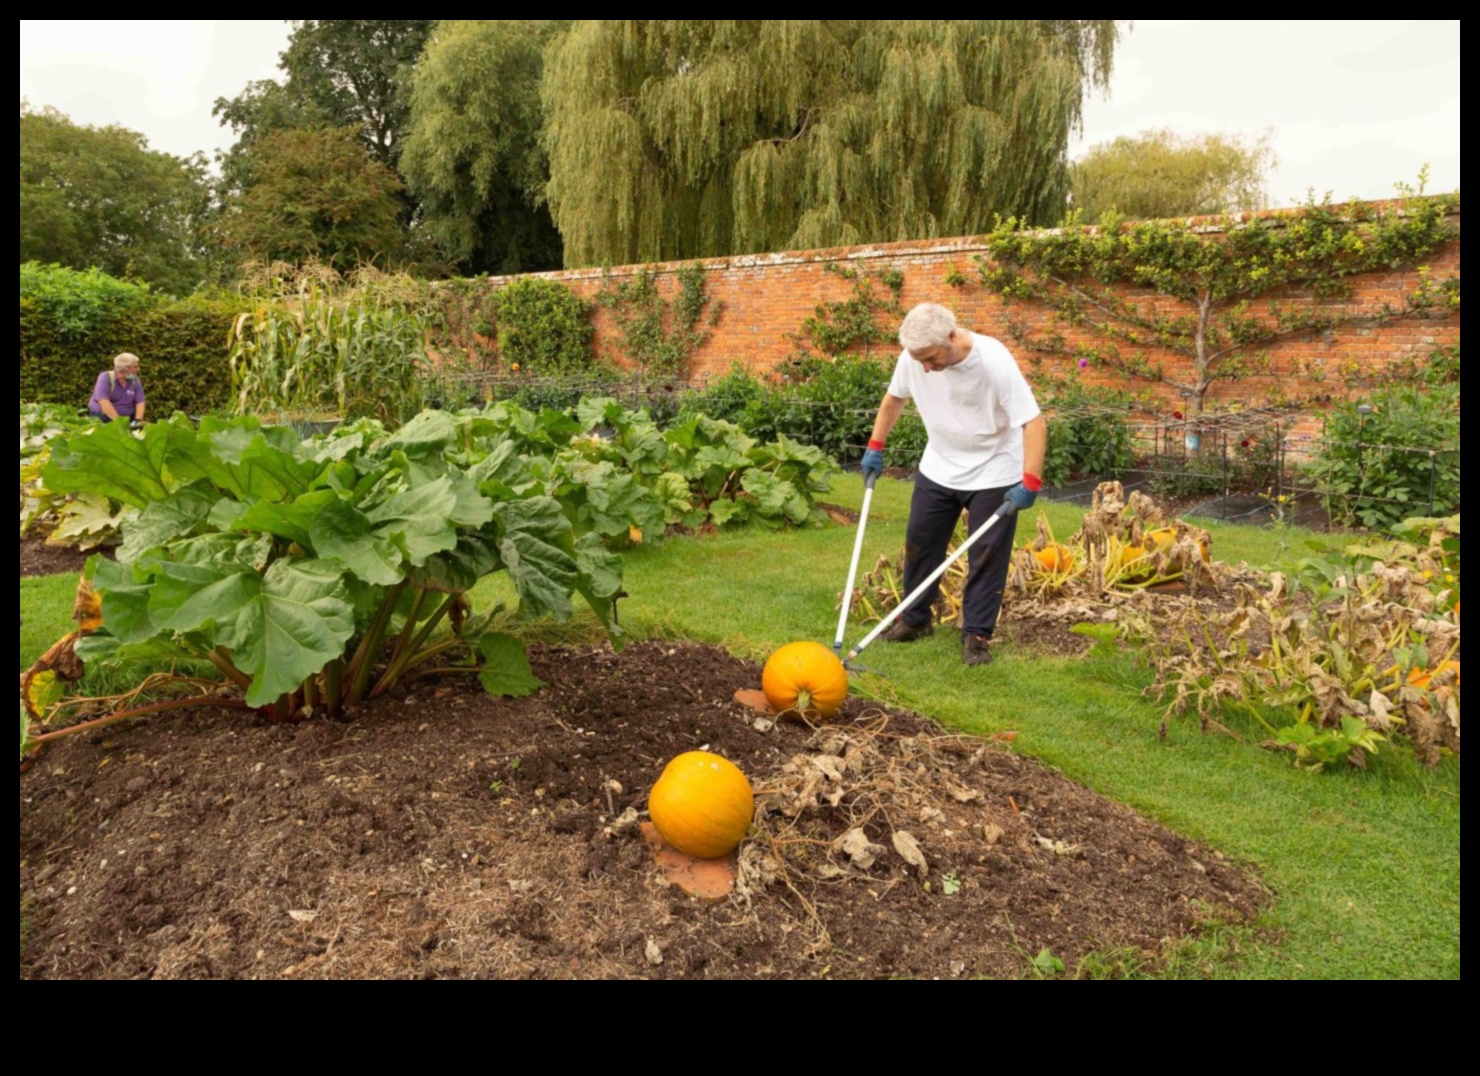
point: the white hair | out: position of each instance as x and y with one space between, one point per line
926 326
124 360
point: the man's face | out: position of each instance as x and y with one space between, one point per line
937 358
131 373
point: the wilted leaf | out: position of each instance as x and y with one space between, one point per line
910 851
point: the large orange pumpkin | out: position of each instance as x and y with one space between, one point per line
702 804
1054 558
805 676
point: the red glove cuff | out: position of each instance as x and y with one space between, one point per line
875 446
1032 482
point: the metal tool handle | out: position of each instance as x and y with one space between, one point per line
1005 510
868 495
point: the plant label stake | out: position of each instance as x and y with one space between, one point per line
868 496
1006 510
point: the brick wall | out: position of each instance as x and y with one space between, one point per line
766 297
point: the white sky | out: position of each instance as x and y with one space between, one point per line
1354 107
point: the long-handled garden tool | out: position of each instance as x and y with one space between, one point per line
1005 510
868 496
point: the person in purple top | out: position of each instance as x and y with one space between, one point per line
119 393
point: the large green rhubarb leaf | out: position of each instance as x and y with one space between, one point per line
533 541
111 461
281 627
408 526
176 516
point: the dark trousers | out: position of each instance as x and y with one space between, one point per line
934 510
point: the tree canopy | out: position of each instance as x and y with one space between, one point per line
340 73
472 152
671 139
100 197
1158 174
316 195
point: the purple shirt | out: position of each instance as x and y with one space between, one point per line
125 394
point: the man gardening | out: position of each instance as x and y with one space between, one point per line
986 446
118 393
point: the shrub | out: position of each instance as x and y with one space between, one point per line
73 323
1089 435
1391 457
544 327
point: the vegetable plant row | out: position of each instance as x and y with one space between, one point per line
314 574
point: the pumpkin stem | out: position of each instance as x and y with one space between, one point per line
804 701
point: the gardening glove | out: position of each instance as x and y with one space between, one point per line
1023 494
136 424
873 460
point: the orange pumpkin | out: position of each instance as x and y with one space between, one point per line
1055 558
805 676
1161 538
702 804
1420 677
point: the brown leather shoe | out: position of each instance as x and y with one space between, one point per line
901 631
975 650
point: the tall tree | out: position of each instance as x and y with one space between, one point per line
339 73
316 195
472 152
99 196
1159 174
695 137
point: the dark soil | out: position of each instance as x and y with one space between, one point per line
451 834
38 558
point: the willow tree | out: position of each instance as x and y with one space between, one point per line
1159 174
472 152
674 139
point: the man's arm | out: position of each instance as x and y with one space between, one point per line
100 396
872 464
139 411
1035 446
890 408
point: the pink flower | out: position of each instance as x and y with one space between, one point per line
1083 363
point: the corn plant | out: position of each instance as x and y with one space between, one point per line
312 347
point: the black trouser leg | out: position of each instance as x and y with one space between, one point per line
934 510
989 560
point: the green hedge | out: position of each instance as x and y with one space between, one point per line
181 346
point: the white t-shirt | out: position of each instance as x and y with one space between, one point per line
974 413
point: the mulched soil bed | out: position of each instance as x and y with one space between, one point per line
451 834
38 558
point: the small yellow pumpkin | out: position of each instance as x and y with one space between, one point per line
1055 558
702 804
805 676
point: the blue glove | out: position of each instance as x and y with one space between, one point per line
1020 497
873 463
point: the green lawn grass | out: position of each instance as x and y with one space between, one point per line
1364 866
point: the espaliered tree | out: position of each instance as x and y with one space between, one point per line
1200 324
675 139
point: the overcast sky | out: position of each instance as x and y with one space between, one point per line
1353 107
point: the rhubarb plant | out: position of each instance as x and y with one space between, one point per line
316 574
